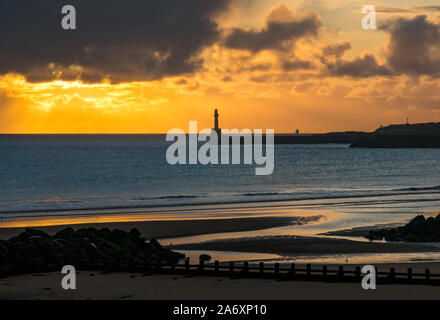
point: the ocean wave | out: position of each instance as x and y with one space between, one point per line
168 197
261 194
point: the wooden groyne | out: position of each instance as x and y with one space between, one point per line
276 271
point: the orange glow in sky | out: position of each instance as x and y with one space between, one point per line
251 88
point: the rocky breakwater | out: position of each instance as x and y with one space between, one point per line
35 251
418 229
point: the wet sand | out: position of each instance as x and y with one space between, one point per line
290 245
177 228
121 286
361 231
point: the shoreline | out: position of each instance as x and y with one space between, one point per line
295 245
174 228
250 200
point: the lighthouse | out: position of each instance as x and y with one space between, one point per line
216 126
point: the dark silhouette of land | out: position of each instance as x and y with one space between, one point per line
422 135
318 138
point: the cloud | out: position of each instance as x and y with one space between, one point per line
428 8
181 82
297 65
281 30
413 49
336 49
362 67
414 46
392 10
303 87
129 41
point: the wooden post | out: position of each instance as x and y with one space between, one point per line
392 274
292 270
231 267
324 271
261 267
201 266
308 270
358 272
277 268
427 274
409 273
246 267
341 272
187 266
216 267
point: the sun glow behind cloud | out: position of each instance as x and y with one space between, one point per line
281 83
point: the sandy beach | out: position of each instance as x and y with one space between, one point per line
306 245
96 285
282 245
122 286
177 228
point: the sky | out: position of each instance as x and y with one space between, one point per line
151 66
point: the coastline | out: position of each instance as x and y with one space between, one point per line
122 286
173 228
291 246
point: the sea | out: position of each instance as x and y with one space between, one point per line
65 176
42 173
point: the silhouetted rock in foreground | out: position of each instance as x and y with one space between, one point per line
418 229
36 251
204 257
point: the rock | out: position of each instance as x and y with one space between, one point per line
155 245
35 251
34 232
66 233
418 229
118 236
204 257
104 233
134 233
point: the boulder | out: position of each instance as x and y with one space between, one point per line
204 257
418 229
66 233
36 251
134 233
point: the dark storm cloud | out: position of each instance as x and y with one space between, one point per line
274 35
336 49
119 40
413 49
414 45
361 67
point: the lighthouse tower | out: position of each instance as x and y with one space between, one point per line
216 127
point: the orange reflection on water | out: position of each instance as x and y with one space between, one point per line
57 221
206 213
